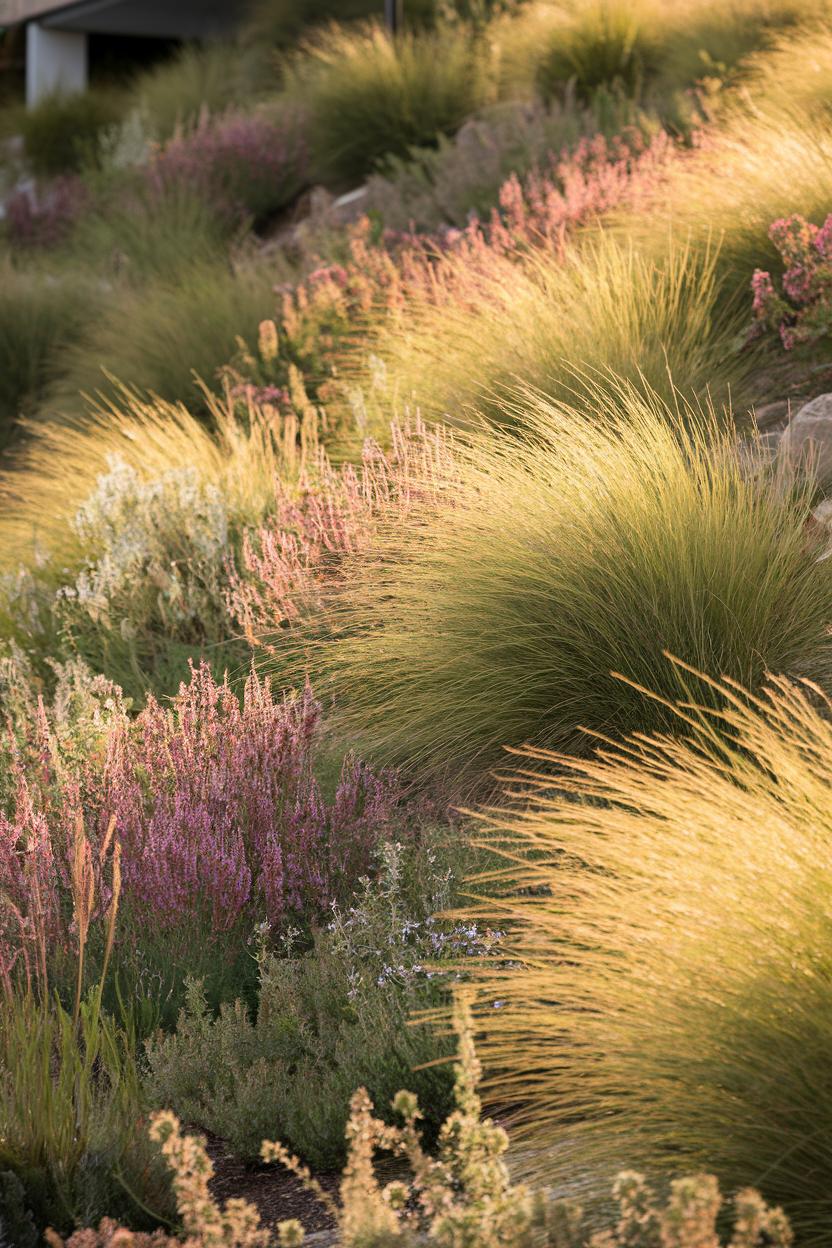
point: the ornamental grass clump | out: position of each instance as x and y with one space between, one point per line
791 76
562 321
590 543
668 906
199 80
183 326
727 189
608 43
40 316
367 96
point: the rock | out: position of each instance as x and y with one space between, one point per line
348 208
808 437
770 415
322 1239
819 525
319 208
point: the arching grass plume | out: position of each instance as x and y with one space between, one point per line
670 994
602 536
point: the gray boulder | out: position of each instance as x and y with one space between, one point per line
808 437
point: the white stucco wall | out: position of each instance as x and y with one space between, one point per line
56 62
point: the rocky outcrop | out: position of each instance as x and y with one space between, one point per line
808 437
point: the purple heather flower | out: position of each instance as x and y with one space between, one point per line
217 806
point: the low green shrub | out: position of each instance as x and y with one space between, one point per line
61 134
17 1226
40 315
463 1194
326 1020
671 997
368 97
165 335
592 542
149 595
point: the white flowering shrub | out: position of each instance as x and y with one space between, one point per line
153 573
157 544
128 143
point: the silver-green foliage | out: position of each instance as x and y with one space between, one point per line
327 1020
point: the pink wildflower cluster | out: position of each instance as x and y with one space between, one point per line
246 165
37 834
580 184
290 561
33 873
583 182
321 316
217 806
44 216
803 312
217 812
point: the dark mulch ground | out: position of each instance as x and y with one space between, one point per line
276 1193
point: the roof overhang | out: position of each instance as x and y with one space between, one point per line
172 19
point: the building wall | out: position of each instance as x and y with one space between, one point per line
58 34
56 62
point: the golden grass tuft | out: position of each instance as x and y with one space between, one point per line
601 535
669 907
603 308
